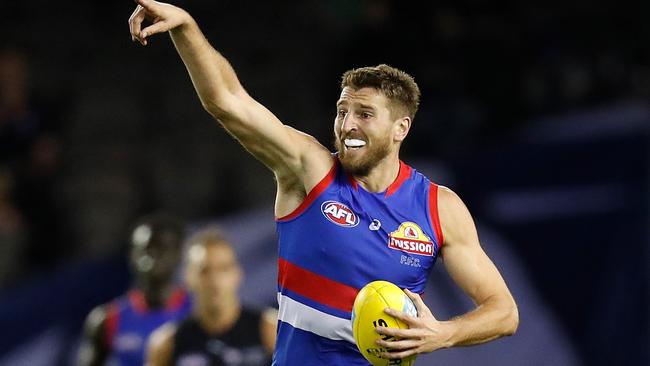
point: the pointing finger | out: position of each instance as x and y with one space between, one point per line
131 18
151 6
135 22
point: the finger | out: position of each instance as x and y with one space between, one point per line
151 6
420 306
135 22
408 319
155 28
399 333
399 354
398 345
134 35
131 22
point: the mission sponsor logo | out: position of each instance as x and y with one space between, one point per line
410 238
339 214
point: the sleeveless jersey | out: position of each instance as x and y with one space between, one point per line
239 346
339 239
129 321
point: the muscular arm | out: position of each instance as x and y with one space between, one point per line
94 350
160 346
296 159
496 313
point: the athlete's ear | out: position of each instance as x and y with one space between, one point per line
402 128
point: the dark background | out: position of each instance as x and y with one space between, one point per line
536 113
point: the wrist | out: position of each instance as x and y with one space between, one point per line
449 330
185 22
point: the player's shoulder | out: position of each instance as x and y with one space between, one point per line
312 163
98 316
101 314
164 333
97 321
455 218
269 314
250 316
308 143
161 340
268 318
446 196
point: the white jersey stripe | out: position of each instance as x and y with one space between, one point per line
315 321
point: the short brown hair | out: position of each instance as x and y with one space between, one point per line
211 235
398 86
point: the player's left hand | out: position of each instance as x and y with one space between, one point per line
425 333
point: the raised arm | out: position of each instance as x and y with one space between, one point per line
293 156
495 314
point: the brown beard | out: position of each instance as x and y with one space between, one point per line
362 166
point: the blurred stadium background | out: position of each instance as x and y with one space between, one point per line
537 113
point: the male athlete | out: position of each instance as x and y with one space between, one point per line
220 331
116 333
346 219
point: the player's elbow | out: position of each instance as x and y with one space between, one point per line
224 105
216 110
510 321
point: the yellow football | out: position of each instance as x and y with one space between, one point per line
368 313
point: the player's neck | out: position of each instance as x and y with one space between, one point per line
381 176
218 319
156 296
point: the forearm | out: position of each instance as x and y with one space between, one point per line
213 77
492 319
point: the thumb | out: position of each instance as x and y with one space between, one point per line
420 306
158 27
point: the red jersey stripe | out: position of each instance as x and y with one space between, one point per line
402 176
176 300
137 300
110 324
433 212
315 287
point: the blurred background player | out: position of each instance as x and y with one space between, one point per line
220 330
116 333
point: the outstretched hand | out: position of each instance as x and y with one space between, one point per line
425 333
163 17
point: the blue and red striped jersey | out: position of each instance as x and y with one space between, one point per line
339 239
129 322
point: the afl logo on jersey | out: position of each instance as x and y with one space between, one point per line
339 214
